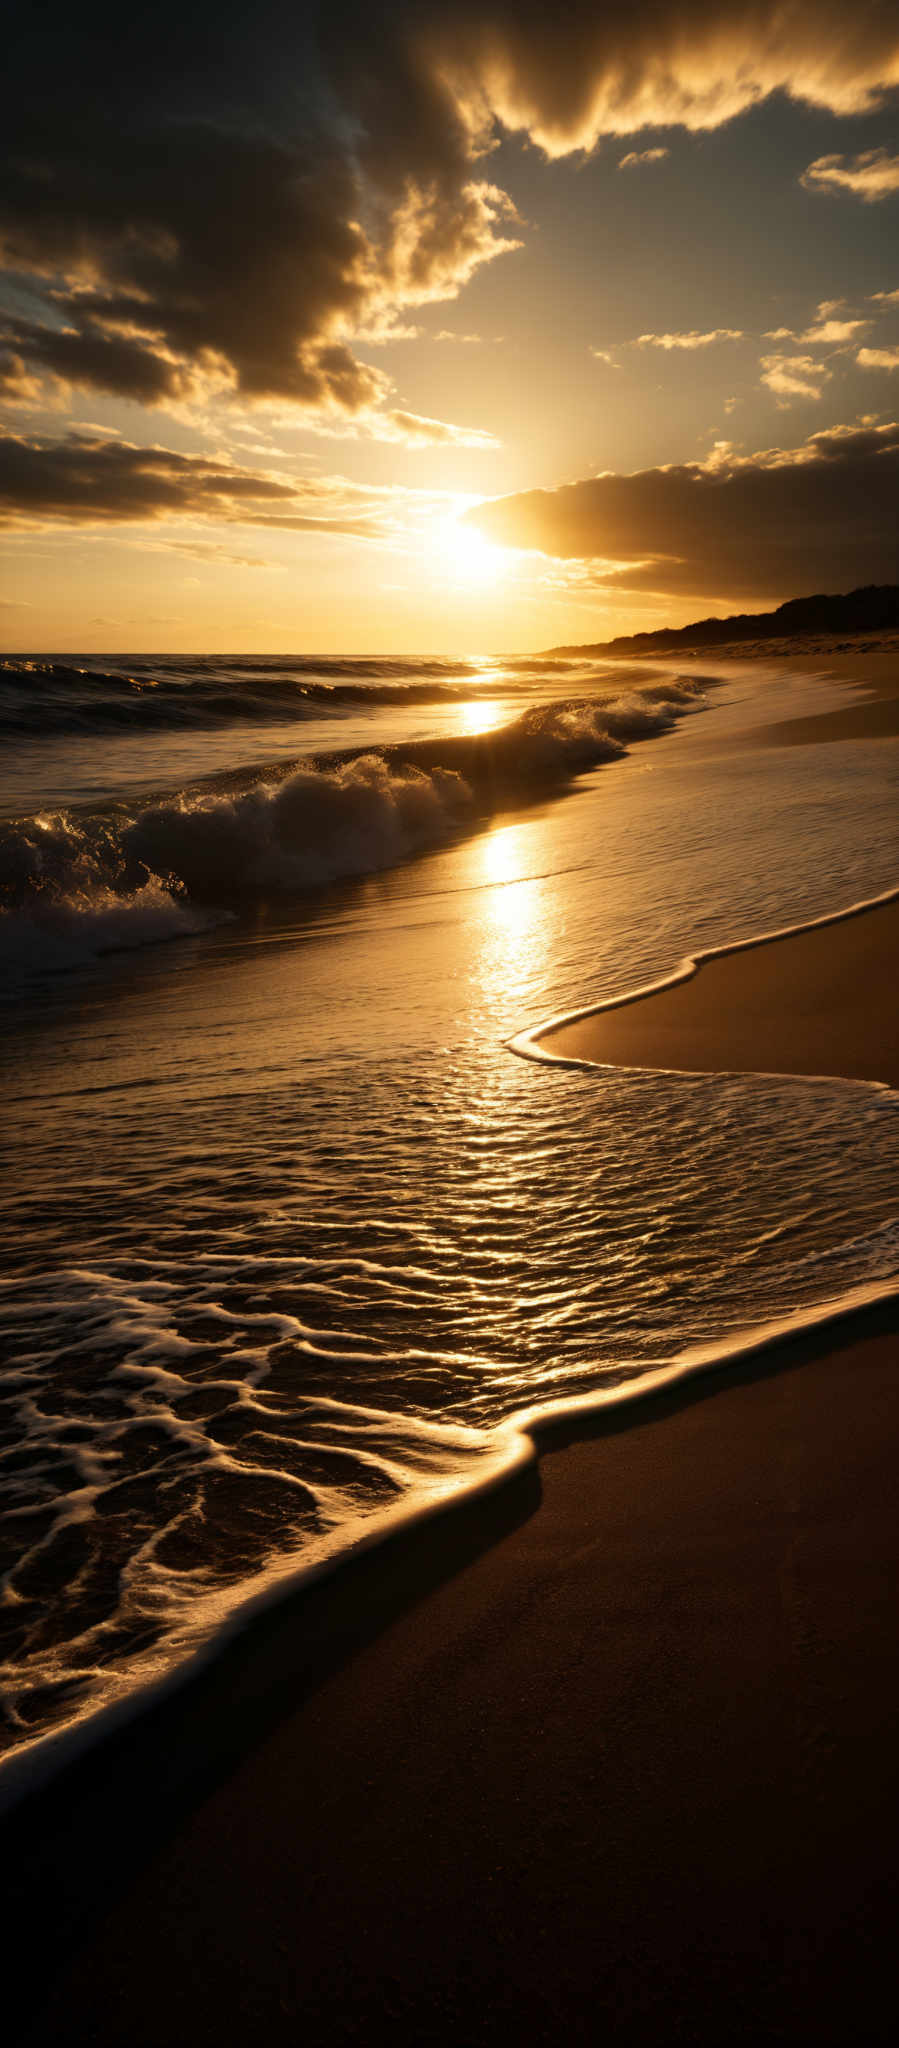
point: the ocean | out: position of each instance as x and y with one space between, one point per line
295 1245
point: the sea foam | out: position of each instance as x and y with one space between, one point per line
76 883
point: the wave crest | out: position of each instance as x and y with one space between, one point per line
77 883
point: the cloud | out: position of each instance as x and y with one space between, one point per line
414 430
885 298
603 355
291 181
766 526
829 332
641 156
871 176
794 376
211 551
691 340
878 358
657 63
91 480
824 331
124 365
17 385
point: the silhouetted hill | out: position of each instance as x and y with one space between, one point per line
873 609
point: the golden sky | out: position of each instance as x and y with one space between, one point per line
444 327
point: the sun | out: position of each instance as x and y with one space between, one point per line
468 558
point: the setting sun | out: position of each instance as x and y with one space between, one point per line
469 559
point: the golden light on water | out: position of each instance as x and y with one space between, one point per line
510 904
480 715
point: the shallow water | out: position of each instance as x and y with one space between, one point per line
292 1232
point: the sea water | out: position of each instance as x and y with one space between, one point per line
293 1240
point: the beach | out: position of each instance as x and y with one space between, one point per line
607 1753
812 1002
817 1001
630 1773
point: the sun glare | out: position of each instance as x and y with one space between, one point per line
469 558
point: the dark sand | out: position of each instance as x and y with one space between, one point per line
818 1002
630 1775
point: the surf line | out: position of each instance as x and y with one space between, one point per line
528 1046
511 1451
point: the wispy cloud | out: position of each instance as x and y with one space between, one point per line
691 340
412 429
794 376
872 175
830 332
878 358
832 326
90 481
416 430
641 156
17 384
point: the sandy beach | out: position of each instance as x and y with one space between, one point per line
869 663
628 1774
814 1002
612 1756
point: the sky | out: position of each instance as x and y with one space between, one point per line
456 326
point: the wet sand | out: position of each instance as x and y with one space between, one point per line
820 1002
870 664
628 1775
816 1002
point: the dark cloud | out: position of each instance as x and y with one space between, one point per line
87 481
126 367
237 194
824 516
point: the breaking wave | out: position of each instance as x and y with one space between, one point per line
75 883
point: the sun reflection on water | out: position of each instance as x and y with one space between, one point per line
510 903
481 715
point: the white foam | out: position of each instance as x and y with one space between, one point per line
75 884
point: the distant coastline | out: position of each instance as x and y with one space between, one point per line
872 609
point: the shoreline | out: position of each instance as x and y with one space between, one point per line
249 1817
805 1001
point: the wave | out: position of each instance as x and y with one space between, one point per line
176 693
38 698
74 883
